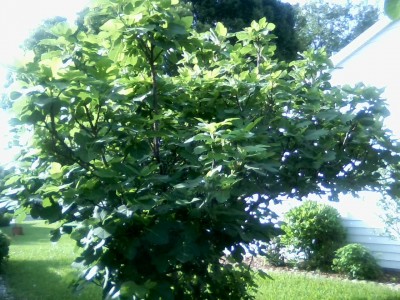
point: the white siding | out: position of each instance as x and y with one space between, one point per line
375 62
373 59
384 249
361 219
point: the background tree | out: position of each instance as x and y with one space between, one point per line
40 34
162 172
391 215
238 14
333 26
392 9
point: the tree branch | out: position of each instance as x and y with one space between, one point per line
71 155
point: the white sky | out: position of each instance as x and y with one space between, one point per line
17 19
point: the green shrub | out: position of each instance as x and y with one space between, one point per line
5 219
357 262
316 231
4 246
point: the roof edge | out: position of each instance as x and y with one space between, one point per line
338 58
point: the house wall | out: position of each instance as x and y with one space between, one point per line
374 59
363 224
386 250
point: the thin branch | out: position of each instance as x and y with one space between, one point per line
83 127
156 125
96 122
89 117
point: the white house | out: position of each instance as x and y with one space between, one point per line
374 59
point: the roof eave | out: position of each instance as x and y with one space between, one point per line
338 58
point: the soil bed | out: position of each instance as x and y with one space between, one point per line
390 278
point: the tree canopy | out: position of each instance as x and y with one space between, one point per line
161 171
238 14
333 26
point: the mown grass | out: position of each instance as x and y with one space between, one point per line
286 286
41 270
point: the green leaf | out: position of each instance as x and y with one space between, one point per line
270 26
256 148
51 189
199 150
221 30
14 95
315 134
222 196
253 124
101 233
159 234
176 29
243 36
46 202
392 9
187 21
113 25
189 184
12 180
63 29
131 290
55 170
214 171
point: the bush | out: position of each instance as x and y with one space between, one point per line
357 262
4 246
315 230
274 252
5 219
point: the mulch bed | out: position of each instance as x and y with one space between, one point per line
390 278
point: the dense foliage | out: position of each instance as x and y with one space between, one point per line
7 205
390 214
356 262
238 14
333 26
158 142
314 229
4 247
5 218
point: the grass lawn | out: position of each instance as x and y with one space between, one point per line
40 270
286 286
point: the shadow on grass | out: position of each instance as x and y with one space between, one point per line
45 280
40 270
